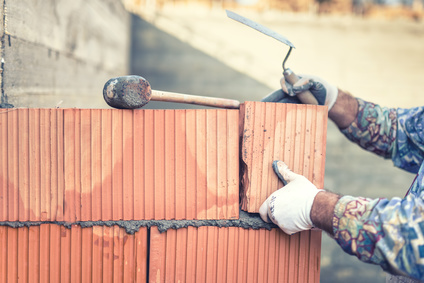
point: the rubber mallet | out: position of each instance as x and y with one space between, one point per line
131 92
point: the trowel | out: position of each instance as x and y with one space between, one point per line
305 97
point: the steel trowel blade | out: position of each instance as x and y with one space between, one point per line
259 27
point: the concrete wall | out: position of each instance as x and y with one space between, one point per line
61 52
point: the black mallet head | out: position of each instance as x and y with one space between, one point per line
127 92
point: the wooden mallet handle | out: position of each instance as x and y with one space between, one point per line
158 95
131 92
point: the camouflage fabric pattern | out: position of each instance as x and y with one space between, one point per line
386 232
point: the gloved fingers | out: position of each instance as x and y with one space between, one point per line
302 85
284 171
290 99
263 212
276 170
275 96
287 87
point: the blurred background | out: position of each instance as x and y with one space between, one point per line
60 53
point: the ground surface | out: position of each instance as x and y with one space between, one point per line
200 51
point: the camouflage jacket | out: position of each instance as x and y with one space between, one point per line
387 232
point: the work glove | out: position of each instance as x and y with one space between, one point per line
325 93
290 206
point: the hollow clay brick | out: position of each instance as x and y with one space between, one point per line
50 252
232 254
293 133
109 164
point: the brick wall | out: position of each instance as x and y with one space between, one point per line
83 193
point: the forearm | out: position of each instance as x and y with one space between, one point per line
378 231
372 127
345 110
322 210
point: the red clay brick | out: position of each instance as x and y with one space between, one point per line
213 254
293 133
91 164
54 253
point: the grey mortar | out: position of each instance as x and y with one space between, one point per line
246 221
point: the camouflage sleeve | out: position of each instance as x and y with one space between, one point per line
391 133
374 128
389 233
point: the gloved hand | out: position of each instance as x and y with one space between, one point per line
290 206
325 93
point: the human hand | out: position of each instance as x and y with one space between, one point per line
290 206
325 93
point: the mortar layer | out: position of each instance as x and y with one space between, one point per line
246 221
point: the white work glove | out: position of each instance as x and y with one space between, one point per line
325 93
290 206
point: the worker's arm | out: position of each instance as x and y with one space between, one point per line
389 233
383 131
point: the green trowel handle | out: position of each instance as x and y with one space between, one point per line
305 97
